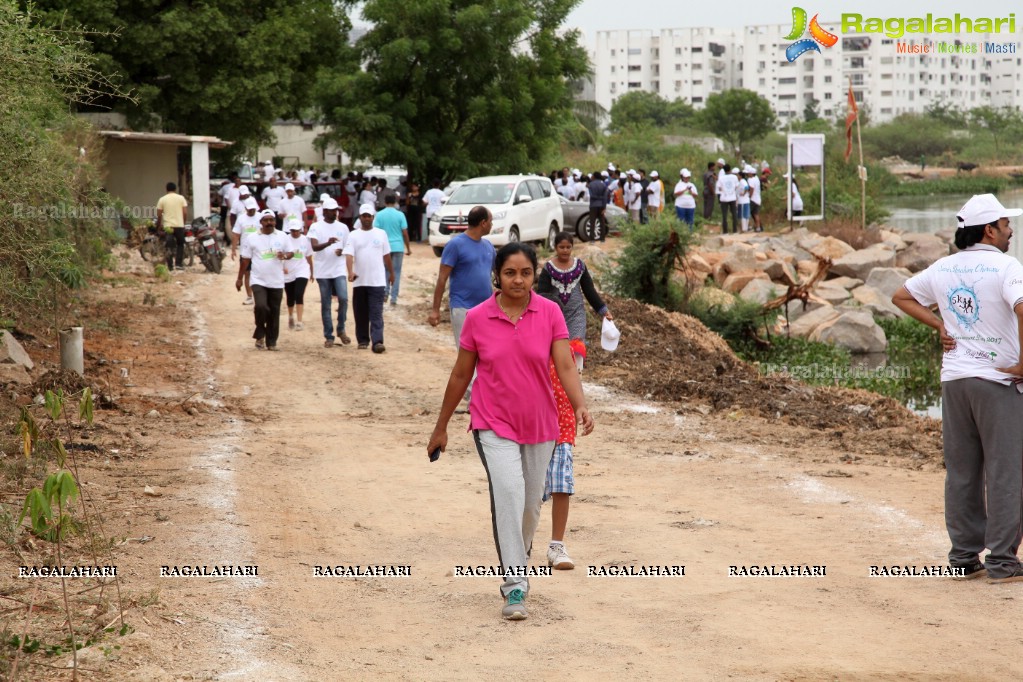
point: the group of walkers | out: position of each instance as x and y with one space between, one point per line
738 190
520 349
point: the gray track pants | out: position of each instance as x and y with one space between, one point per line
516 474
982 429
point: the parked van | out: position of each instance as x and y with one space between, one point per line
524 207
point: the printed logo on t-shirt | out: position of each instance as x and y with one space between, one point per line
963 303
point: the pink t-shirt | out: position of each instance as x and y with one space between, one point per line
512 394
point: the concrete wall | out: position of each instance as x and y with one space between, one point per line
138 173
296 140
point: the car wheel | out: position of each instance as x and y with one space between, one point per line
513 235
552 235
581 228
438 251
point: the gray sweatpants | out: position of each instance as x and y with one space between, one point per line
516 474
457 320
982 429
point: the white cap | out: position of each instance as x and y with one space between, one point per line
366 208
685 173
294 223
984 209
611 167
749 169
250 204
243 190
329 204
267 212
609 335
654 174
289 186
605 174
735 171
324 197
721 161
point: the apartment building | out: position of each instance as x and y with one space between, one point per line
886 74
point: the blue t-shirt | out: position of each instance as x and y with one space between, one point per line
472 263
392 221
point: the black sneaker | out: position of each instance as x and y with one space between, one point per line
1014 577
378 348
363 346
970 571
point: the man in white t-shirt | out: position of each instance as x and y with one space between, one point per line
432 200
238 202
328 238
368 253
246 225
292 205
273 194
653 194
979 295
726 189
754 198
685 198
263 257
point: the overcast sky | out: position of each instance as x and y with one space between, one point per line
602 15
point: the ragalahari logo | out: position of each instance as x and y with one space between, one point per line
817 35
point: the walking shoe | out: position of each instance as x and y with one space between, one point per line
328 343
260 344
291 323
1015 577
378 348
363 346
971 571
557 557
272 348
299 327
345 339
394 303
248 301
515 607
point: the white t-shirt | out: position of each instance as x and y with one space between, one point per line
225 194
231 195
298 266
237 204
295 206
267 269
434 199
326 262
654 198
685 200
742 192
634 196
754 189
721 174
976 290
246 225
367 196
368 248
797 200
273 196
567 191
727 185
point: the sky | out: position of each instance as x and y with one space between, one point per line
602 15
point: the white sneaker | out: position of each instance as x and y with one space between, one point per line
558 558
248 301
299 327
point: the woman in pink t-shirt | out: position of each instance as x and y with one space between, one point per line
508 340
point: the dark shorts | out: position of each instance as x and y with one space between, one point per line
754 208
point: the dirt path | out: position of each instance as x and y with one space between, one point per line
320 460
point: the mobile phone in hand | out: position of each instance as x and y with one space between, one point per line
435 455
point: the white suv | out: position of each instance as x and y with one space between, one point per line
525 208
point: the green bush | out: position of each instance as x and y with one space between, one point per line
649 266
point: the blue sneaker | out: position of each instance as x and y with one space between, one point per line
515 609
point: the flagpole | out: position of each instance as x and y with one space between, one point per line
862 172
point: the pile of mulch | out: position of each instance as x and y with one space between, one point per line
671 357
66 380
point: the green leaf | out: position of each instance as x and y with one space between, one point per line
38 510
54 403
85 406
58 447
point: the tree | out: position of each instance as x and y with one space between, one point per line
639 108
997 121
811 112
946 112
738 116
220 67
455 88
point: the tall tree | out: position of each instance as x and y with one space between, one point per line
640 108
738 116
456 87
220 67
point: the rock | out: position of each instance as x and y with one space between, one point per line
947 235
859 410
888 280
151 492
152 414
806 268
14 374
894 239
832 248
779 270
796 310
848 283
699 263
832 294
854 330
858 264
761 291
741 261
714 296
877 302
39 399
808 322
737 281
810 241
921 254
11 351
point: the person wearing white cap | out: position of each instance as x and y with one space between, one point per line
273 194
263 257
634 196
238 203
797 198
368 255
685 198
291 205
727 187
297 272
328 237
978 292
754 198
742 198
654 193
246 225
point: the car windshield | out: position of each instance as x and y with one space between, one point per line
482 193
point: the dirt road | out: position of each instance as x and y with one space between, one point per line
319 459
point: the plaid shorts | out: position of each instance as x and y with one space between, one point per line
559 473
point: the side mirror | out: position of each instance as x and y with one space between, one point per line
523 198
444 200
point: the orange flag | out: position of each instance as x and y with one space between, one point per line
849 119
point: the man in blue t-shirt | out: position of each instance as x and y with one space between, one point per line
392 221
468 260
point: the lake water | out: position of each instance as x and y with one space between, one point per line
937 212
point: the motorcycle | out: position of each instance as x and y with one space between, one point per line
204 243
